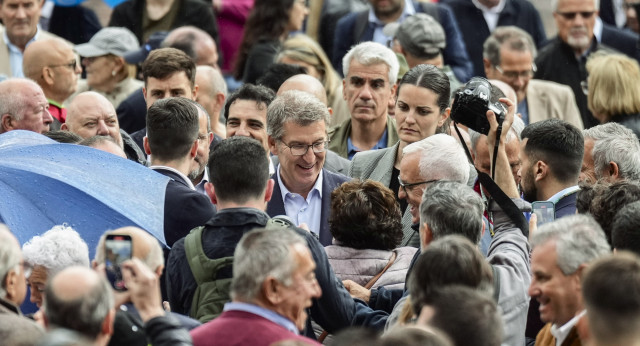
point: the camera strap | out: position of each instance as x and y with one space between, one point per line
494 190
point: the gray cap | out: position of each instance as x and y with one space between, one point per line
419 35
109 40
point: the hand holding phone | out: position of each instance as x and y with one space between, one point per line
117 249
545 211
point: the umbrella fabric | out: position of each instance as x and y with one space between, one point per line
44 183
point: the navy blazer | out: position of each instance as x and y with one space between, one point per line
624 41
454 54
475 30
566 205
184 209
330 181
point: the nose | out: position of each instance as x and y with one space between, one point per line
401 193
365 93
533 290
21 12
78 69
46 117
317 291
103 130
309 156
242 131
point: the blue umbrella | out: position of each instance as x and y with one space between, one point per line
44 183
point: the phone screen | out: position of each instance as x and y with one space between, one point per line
117 250
545 212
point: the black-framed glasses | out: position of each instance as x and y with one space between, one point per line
72 65
411 186
301 149
513 75
572 15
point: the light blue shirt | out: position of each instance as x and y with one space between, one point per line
302 210
15 54
523 109
563 193
378 35
352 150
262 312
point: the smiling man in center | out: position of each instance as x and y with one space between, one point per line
297 129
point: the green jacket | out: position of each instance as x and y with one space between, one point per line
339 134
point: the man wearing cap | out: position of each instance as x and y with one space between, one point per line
421 39
54 66
107 71
20 19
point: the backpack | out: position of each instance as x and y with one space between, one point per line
211 293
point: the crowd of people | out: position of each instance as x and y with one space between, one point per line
361 189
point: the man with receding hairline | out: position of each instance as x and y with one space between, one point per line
211 95
54 66
23 106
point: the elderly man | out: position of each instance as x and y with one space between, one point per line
367 26
561 251
129 327
212 95
551 155
14 328
56 249
197 42
54 66
297 129
23 106
172 142
371 70
273 284
79 299
91 114
20 19
508 55
612 152
564 58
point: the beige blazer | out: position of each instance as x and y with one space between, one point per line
548 100
5 66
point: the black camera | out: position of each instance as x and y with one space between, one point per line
471 104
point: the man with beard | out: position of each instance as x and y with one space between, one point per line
563 59
199 174
551 154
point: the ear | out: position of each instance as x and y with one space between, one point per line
484 228
426 236
145 144
613 171
107 323
393 91
194 92
210 137
194 149
269 191
7 122
487 67
272 146
159 270
10 283
220 98
47 75
344 89
444 116
271 290
211 192
64 127
541 170
144 94
94 264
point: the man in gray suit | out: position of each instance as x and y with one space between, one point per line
508 56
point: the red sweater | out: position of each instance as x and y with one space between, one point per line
243 328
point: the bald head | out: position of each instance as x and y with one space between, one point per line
305 83
91 114
53 65
81 300
145 247
196 43
23 106
212 90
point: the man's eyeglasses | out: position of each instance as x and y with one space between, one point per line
72 65
513 75
411 186
301 149
572 15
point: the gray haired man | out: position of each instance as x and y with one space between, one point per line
561 252
612 152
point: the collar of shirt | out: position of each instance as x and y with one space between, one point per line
205 179
272 169
284 191
184 177
597 29
564 193
15 54
352 150
491 15
561 333
262 312
378 36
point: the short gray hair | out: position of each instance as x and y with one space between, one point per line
615 143
84 314
510 37
260 254
12 99
370 53
554 4
297 106
216 79
56 249
579 240
442 151
514 133
450 208
9 256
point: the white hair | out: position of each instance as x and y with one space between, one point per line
370 53
56 249
554 5
615 143
441 157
